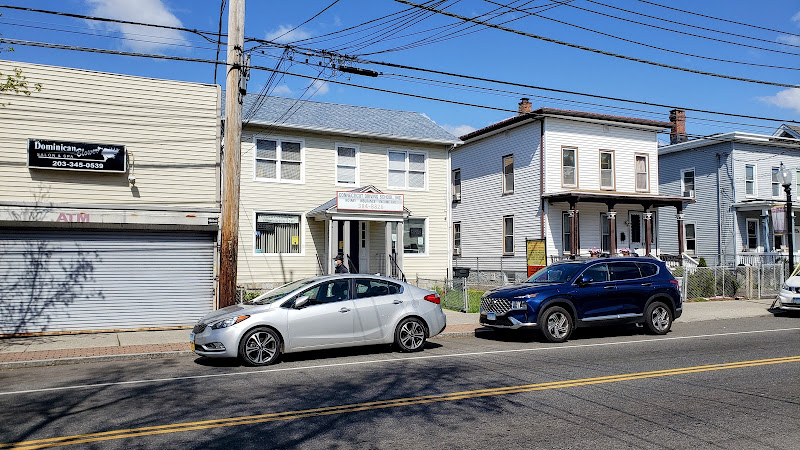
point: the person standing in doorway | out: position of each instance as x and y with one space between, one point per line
340 267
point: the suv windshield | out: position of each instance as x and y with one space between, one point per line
557 273
280 292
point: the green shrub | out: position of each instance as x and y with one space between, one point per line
702 262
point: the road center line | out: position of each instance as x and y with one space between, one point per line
380 404
390 360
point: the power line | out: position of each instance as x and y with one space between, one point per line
309 20
594 50
720 19
219 36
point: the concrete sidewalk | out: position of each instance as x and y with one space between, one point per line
72 348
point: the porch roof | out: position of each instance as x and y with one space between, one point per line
616 198
759 204
329 209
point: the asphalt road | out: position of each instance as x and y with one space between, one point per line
716 384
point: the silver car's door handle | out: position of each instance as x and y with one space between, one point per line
397 302
344 310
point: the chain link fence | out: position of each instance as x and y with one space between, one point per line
738 282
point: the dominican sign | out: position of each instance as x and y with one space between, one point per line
61 155
536 254
369 201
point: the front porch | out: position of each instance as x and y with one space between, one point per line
763 233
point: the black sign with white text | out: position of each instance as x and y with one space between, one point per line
61 155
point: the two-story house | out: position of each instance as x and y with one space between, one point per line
582 182
322 179
738 214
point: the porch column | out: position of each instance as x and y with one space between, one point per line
387 262
346 244
680 236
648 217
333 240
612 231
573 228
400 245
766 242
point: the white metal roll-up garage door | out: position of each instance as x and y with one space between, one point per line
103 280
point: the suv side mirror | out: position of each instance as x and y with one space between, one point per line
301 301
586 279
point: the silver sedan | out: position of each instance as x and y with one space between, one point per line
319 313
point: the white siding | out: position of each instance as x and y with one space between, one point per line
589 139
318 187
169 128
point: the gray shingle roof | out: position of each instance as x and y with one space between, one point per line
344 119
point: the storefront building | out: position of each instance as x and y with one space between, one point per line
321 180
109 202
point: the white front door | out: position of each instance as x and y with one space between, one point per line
363 246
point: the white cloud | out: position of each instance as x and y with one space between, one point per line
789 39
458 130
282 90
320 86
139 38
283 34
796 17
787 98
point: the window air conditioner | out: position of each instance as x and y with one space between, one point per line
456 251
456 197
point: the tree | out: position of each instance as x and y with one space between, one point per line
16 83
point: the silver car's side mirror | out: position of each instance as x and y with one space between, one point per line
301 301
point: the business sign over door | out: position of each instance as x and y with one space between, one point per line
61 155
369 201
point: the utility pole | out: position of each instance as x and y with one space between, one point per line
232 156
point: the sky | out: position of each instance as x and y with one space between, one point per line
541 52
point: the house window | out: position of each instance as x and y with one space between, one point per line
687 183
407 170
278 160
567 234
457 238
750 180
752 234
508 174
347 164
690 239
414 235
457 185
776 185
642 173
605 233
606 170
568 167
508 235
277 233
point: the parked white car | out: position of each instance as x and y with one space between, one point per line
318 313
789 295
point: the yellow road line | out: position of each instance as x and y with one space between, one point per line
380 404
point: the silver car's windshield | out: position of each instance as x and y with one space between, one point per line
557 273
280 292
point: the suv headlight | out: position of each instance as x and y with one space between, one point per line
519 304
225 323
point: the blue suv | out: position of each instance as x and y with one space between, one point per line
599 291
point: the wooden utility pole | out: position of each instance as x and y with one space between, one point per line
232 156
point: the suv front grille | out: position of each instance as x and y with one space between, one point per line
199 328
495 305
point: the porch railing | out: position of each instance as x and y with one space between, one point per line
394 270
760 258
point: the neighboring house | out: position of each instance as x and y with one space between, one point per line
738 216
321 179
579 181
109 202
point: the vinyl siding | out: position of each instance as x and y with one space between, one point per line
170 130
589 139
483 204
704 212
318 187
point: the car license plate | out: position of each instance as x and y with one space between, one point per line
191 341
491 316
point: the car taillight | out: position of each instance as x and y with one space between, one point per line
433 298
675 282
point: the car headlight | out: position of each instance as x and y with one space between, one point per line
519 304
784 287
527 296
225 323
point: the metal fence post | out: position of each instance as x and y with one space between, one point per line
723 282
465 294
685 284
760 278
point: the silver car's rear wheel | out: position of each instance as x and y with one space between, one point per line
410 335
260 347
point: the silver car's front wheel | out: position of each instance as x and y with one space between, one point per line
410 335
260 347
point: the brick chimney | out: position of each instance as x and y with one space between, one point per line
678 132
525 106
